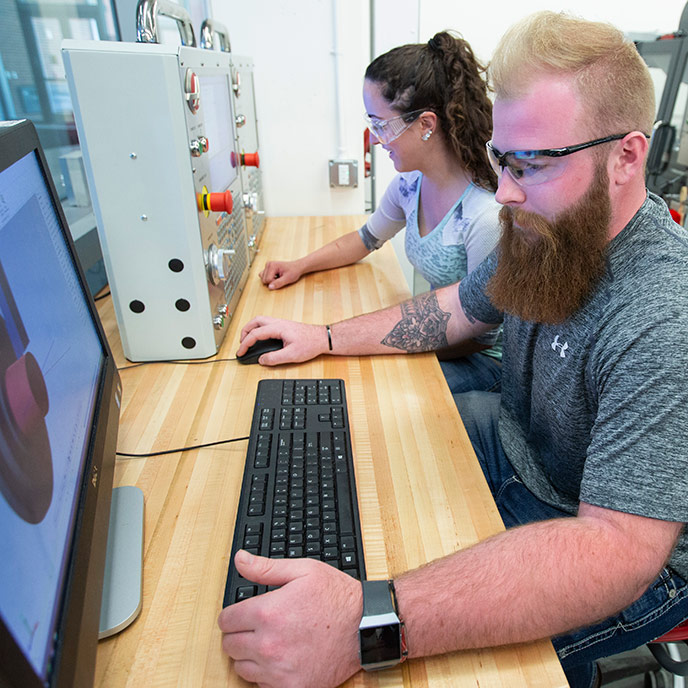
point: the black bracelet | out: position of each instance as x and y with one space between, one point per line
329 336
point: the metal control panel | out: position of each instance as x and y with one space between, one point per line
157 129
248 145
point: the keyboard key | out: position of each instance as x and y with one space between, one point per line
278 549
244 592
251 541
348 560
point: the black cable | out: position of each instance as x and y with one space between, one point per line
182 449
102 296
215 360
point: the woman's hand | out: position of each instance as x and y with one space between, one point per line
279 273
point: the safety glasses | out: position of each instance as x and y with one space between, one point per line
388 130
531 167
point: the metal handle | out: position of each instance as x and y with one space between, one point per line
209 28
666 661
147 13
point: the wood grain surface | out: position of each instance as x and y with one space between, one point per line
421 492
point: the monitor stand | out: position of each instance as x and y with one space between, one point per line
124 562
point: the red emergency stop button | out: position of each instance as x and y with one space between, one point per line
215 202
246 159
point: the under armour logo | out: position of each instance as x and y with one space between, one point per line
561 347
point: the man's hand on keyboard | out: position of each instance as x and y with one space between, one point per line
302 635
301 342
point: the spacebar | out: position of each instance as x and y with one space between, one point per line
346 521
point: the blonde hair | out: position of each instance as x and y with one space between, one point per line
608 72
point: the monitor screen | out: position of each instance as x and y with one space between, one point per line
55 388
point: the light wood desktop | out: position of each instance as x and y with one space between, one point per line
421 492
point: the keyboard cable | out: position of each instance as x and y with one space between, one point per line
181 449
215 360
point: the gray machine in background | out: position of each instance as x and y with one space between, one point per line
249 144
214 36
667 162
157 130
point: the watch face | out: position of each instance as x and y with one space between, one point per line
380 644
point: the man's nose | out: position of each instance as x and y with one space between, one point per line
508 191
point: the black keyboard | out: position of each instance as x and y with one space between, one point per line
298 496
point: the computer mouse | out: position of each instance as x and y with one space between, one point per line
262 346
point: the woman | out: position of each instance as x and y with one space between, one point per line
427 106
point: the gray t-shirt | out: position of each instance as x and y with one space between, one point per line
596 409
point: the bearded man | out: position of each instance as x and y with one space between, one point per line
584 449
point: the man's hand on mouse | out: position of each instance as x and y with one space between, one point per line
301 342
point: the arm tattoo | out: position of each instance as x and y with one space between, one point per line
423 326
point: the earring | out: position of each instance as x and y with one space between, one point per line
426 135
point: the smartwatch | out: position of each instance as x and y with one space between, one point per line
382 641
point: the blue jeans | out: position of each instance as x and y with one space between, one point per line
475 372
664 604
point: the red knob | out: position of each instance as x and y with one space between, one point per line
217 202
250 159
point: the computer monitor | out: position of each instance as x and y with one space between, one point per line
59 413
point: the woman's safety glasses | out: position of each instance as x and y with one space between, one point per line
388 130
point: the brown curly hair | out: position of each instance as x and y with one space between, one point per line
443 76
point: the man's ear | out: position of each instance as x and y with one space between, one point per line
627 160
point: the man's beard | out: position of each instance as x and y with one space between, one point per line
548 270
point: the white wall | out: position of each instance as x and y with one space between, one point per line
292 45
482 24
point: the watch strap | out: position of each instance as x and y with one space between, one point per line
377 598
404 646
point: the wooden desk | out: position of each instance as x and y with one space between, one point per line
421 492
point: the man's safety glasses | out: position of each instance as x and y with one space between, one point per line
530 167
388 130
